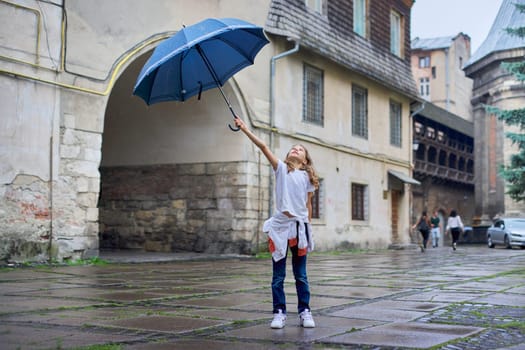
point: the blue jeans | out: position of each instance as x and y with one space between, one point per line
301 282
435 236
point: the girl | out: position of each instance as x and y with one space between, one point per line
423 226
454 226
295 183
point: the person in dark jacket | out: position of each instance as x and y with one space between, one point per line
423 226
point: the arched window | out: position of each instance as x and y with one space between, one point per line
420 153
452 161
470 166
442 158
461 164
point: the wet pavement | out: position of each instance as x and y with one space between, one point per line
473 298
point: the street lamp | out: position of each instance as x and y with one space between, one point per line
415 145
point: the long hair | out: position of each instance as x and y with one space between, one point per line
309 167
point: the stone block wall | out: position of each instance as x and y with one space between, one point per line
202 207
25 220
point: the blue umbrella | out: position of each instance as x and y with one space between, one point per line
197 58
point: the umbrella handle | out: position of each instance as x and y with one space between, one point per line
234 116
234 129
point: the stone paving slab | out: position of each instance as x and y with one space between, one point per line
292 332
239 300
162 323
185 344
229 315
407 335
517 290
503 299
408 305
20 337
9 304
378 312
479 286
446 296
356 292
384 281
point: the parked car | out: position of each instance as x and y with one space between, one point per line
508 232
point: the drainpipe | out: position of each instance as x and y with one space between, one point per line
272 108
447 81
50 204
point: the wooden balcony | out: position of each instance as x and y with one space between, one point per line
444 173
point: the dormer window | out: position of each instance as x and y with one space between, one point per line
318 6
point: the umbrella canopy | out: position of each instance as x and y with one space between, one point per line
197 58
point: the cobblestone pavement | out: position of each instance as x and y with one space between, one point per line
473 298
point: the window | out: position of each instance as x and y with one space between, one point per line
431 133
359 112
317 200
396 33
441 137
359 202
434 72
360 17
424 88
419 129
395 123
318 6
313 95
424 62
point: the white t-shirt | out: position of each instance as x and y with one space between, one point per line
291 191
454 222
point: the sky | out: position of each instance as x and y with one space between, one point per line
437 18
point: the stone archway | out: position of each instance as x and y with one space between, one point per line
172 174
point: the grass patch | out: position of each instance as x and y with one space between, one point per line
91 261
263 255
514 324
100 347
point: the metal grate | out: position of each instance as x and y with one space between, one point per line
313 95
395 124
359 112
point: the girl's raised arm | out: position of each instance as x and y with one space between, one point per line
258 142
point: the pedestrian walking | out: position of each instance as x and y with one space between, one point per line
435 229
423 226
454 226
289 228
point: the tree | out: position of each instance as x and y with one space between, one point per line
514 172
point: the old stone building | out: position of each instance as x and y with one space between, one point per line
87 165
443 128
444 164
496 87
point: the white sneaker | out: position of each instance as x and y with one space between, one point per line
306 319
279 320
